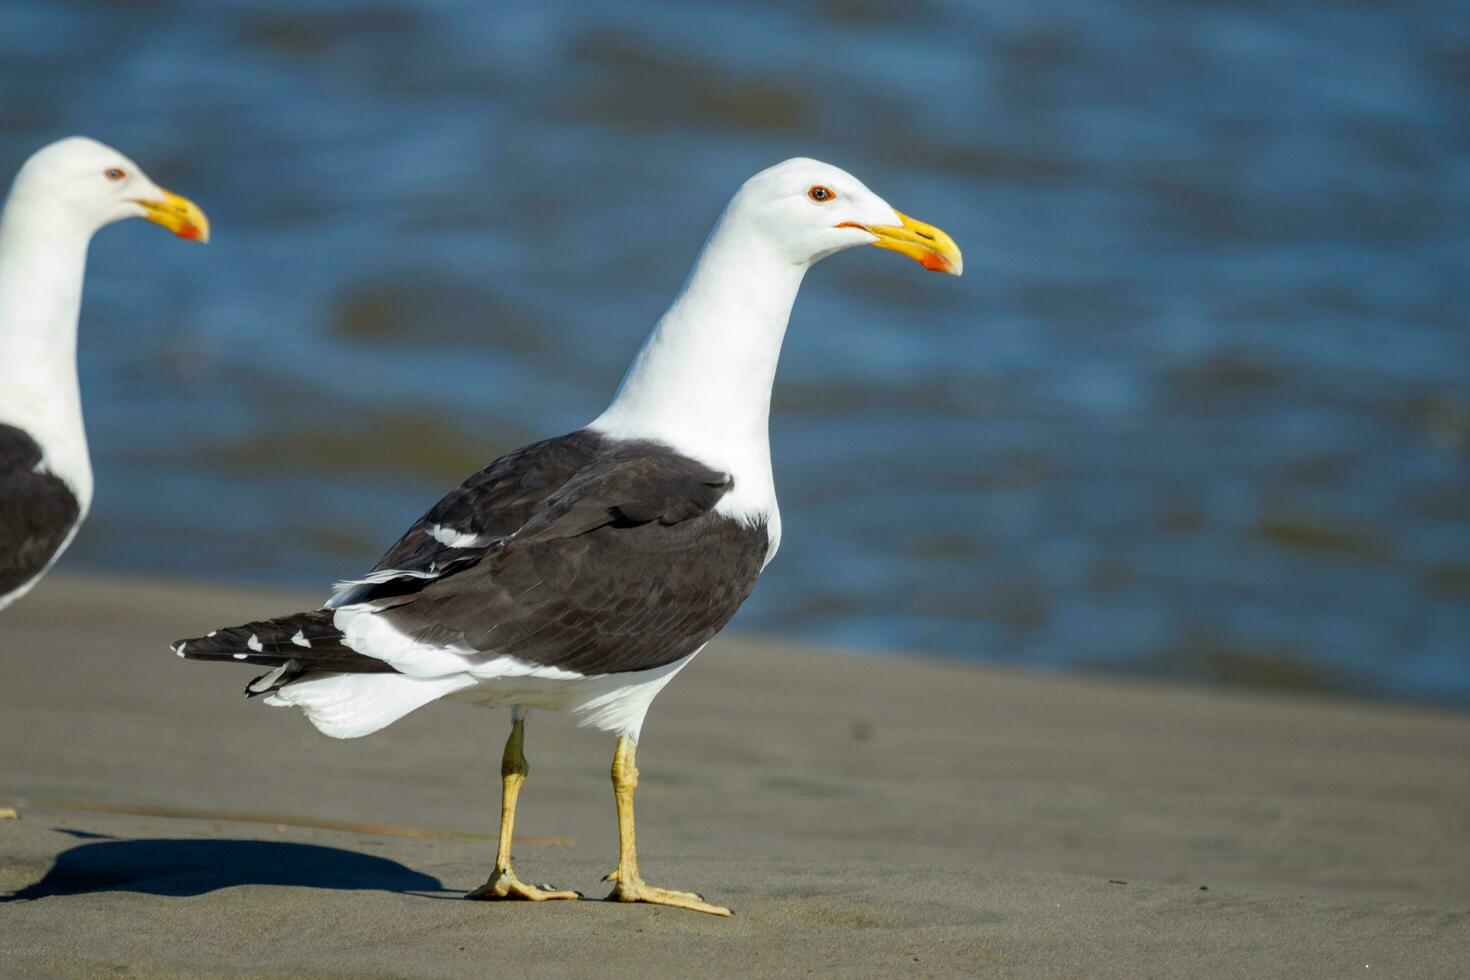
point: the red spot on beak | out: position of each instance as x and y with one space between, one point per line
189 231
935 262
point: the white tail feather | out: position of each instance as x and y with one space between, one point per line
353 705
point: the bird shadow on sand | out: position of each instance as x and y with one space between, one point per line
182 867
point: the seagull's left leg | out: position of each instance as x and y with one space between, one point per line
630 884
503 882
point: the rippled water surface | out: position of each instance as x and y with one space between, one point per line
1200 407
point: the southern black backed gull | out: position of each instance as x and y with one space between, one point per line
62 195
582 573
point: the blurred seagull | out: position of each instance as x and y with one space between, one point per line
582 573
63 194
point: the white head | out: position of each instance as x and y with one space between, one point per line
87 185
702 381
807 210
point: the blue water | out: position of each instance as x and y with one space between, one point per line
1199 409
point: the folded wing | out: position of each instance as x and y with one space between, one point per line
623 566
574 556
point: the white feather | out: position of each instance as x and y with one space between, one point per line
348 591
353 705
373 634
365 630
266 681
451 538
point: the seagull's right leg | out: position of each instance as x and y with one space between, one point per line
630 885
503 882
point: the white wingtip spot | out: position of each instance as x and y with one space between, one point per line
211 633
239 656
300 640
254 643
179 648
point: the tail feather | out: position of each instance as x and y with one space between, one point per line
353 705
290 645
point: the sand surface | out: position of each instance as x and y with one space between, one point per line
896 818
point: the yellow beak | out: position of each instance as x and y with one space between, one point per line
925 244
179 215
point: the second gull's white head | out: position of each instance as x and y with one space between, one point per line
87 185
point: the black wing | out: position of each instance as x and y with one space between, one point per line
37 510
623 566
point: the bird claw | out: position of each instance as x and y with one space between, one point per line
504 885
639 891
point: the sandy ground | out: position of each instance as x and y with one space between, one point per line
863 818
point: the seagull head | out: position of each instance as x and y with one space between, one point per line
808 210
88 185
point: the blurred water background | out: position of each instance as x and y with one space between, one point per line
1200 408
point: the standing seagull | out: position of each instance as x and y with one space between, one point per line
582 573
63 194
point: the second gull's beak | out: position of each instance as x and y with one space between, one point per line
179 215
925 244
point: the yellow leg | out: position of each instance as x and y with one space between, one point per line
630 886
503 882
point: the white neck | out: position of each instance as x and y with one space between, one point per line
43 256
702 381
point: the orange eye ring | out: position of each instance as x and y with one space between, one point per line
114 173
821 193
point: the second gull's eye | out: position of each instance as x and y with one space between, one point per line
114 174
820 194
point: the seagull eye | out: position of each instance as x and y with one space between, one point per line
820 194
114 173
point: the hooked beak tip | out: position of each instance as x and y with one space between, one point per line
179 215
925 244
